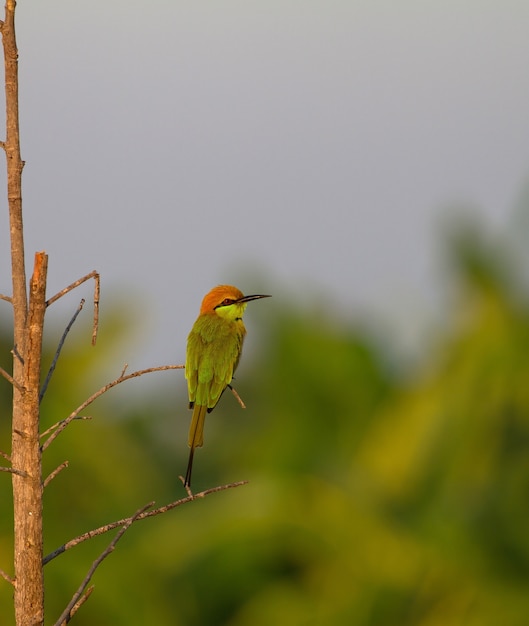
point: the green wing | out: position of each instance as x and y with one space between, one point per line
213 350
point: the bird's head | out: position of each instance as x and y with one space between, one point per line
226 301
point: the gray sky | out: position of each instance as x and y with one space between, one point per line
174 145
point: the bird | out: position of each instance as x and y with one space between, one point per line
213 351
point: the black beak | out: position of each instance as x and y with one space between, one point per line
248 298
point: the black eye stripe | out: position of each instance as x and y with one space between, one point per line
225 302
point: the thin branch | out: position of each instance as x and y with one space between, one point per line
80 602
15 165
67 613
163 509
6 298
237 397
13 470
64 423
59 348
17 355
7 577
10 379
56 425
56 471
97 289
75 284
5 456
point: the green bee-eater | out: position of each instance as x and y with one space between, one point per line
213 350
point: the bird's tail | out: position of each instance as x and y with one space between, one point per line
196 437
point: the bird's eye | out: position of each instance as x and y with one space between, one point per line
227 301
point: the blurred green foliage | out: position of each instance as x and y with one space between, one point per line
376 498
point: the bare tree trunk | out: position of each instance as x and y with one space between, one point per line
14 175
25 451
26 454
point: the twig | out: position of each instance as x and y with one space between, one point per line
13 470
10 379
237 397
17 355
59 348
163 509
6 298
186 486
80 602
52 428
64 423
56 471
5 456
67 613
7 577
97 288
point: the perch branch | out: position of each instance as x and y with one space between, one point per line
12 470
10 379
67 613
7 577
237 397
64 423
52 428
97 289
56 471
6 298
80 602
163 509
58 352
